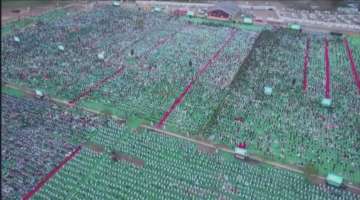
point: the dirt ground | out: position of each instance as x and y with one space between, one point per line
14 10
95 147
265 14
206 149
118 156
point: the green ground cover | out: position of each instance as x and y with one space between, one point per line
212 22
355 40
20 24
11 91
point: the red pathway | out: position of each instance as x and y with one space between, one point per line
96 86
306 62
119 71
157 45
202 69
327 69
117 54
45 179
352 63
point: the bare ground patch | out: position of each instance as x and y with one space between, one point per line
252 161
98 148
119 156
206 149
15 12
222 146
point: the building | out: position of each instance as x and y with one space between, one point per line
180 12
223 11
248 20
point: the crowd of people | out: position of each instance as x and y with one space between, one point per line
291 125
36 136
212 85
37 62
174 169
151 89
161 55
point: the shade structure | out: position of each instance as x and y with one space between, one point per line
268 90
248 20
116 3
326 102
101 55
16 39
39 93
190 13
240 153
334 180
61 47
294 26
157 9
